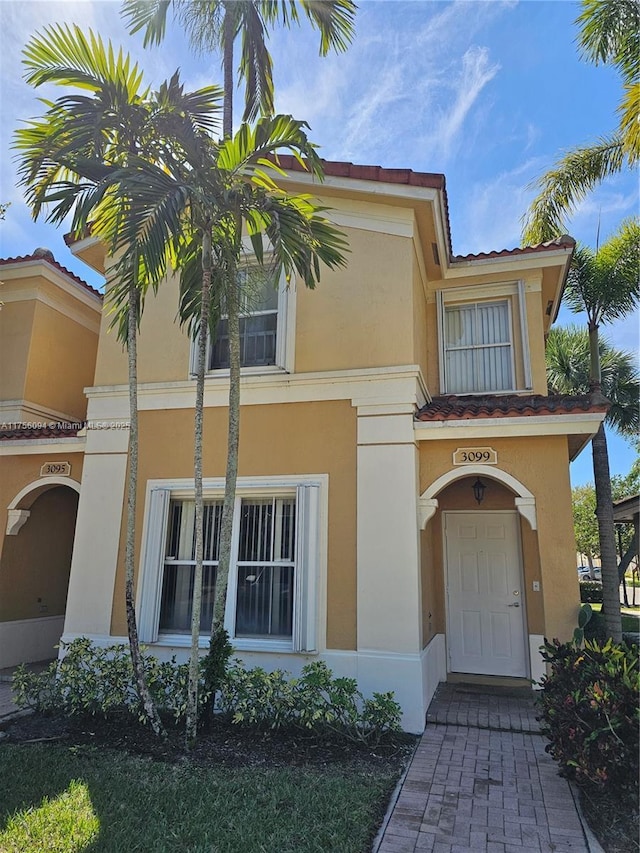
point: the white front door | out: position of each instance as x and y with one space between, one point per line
485 601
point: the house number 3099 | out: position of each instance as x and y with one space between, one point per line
468 455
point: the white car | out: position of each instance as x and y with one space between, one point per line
587 574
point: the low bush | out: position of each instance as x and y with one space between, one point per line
316 700
589 712
92 680
591 592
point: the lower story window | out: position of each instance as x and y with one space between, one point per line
272 577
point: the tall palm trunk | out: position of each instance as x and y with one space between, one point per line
148 704
604 504
194 668
227 70
232 295
604 515
233 438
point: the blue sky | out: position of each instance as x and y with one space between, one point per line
487 92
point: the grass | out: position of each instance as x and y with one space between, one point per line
630 622
82 799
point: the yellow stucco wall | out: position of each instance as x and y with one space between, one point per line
541 464
61 362
420 325
360 316
296 439
357 317
16 321
163 346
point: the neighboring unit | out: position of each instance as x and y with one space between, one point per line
404 504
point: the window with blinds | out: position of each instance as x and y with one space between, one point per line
272 593
258 322
478 347
264 562
179 566
265 567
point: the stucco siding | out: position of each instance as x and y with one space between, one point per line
296 439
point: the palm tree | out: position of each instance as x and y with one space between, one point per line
193 211
69 158
605 285
609 34
568 358
215 26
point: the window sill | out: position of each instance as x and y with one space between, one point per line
262 370
240 644
485 393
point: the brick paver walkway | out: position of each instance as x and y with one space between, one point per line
480 780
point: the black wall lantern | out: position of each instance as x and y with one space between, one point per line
478 490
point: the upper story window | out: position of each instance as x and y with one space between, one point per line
483 339
478 347
263 312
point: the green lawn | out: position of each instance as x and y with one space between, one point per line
630 622
87 800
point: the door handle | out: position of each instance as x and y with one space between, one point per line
515 604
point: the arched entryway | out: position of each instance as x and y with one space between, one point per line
478 553
34 569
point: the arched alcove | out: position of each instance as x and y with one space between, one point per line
524 500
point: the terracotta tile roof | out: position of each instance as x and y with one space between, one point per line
434 180
47 256
344 169
24 433
564 242
469 407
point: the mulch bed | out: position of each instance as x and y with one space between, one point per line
220 743
614 823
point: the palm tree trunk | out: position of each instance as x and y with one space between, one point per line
191 726
148 704
604 502
604 515
233 438
595 373
227 69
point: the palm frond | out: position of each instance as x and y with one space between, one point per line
256 66
564 186
64 55
606 284
150 15
610 33
567 357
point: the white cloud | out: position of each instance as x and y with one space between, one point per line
475 72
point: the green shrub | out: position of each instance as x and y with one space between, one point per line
93 680
589 712
591 592
315 701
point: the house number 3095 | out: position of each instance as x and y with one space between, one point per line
469 455
52 468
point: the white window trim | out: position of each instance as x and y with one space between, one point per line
484 293
309 621
285 338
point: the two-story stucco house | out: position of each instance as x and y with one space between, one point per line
403 507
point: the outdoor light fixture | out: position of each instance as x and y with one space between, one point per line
478 490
